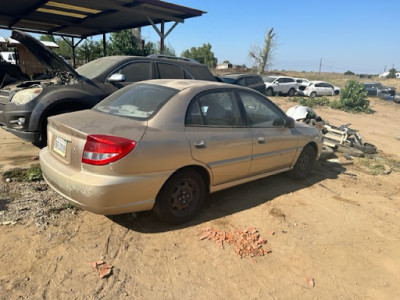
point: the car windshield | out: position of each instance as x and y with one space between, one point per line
141 101
379 85
269 78
95 68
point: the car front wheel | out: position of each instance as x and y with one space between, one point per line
269 92
181 197
304 163
313 95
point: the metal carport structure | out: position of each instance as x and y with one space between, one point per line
81 19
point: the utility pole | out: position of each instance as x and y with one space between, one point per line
320 64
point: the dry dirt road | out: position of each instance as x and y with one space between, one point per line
334 235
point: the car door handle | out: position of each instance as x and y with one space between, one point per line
261 140
200 144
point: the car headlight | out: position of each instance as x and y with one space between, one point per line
25 96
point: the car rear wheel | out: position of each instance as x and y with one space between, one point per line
269 92
291 92
181 197
304 163
313 95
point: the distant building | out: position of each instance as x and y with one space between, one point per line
224 66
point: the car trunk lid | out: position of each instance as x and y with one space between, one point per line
67 133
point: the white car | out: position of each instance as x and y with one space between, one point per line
320 88
280 85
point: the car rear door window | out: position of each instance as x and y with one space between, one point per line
214 109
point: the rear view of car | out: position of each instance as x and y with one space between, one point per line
162 145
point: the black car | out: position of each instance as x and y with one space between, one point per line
253 81
46 85
377 89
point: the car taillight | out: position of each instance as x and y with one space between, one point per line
104 149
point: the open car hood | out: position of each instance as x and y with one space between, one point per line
48 58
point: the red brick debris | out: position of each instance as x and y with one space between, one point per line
247 243
102 268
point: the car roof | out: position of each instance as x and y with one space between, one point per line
318 81
182 84
239 75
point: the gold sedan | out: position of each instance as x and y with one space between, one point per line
165 144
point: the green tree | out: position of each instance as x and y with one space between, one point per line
155 49
202 54
123 43
64 49
263 56
392 73
47 37
349 73
89 50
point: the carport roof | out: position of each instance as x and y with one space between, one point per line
78 18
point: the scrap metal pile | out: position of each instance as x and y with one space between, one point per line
336 138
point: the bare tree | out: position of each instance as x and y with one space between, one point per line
263 56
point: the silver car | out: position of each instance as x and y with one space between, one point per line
165 144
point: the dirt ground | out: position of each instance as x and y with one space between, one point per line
334 235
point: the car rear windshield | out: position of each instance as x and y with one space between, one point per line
138 101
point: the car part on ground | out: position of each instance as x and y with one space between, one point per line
43 84
166 144
341 139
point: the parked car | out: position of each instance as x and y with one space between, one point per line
377 88
395 98
8 56
280 85
253 81
320 88
55 87
302 83
165 144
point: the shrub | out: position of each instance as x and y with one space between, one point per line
353 98
310 102
349 73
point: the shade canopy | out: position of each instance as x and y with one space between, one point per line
77 18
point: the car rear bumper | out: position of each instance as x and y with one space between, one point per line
102 194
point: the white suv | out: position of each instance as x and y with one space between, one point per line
280 85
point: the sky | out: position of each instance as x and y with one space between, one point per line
356 35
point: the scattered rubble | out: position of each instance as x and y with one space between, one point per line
310 282
247 243
102 268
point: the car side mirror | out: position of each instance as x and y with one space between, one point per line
116 78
